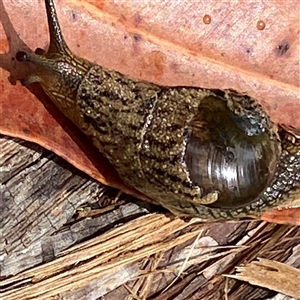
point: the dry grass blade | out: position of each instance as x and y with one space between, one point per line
142 286
123 245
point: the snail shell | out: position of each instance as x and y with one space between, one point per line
197 152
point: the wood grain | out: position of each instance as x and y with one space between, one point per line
47 239
167 43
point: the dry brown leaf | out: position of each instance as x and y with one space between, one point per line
164 42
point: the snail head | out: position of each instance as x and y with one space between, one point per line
58 71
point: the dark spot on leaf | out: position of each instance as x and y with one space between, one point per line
282 48
137 38
137 18
26 131
74 16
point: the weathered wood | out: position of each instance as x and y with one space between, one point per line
271 274
39 196
58 239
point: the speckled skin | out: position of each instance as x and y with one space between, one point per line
145 130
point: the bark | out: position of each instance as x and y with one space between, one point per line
64 235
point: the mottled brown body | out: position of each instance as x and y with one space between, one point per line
164 140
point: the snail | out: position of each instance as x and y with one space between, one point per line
199 153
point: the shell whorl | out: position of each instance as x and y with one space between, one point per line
228 153
198 152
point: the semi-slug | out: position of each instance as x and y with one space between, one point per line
199 153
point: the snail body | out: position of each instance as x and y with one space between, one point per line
197 152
